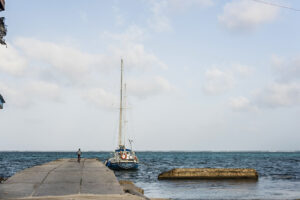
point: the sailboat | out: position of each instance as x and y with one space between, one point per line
124 158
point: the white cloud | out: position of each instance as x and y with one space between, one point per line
159 20
284 91
119 18
287 69
273 96
182 5
129 46
141 88
13 96
149 87
11 61
30 93
132 34
52 65
279 95
70 61
243 70
83 16
241 104
43 89
244 14
135 56
217 81
100 98
78 65
161 9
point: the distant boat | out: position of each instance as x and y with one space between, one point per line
124 158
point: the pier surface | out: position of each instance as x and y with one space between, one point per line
89 179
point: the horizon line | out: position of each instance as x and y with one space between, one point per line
67 151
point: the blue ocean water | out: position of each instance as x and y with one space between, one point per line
279 172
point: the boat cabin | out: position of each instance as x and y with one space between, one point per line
125 154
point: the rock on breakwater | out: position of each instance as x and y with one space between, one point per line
2 179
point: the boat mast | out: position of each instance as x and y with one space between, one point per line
124 114
121 106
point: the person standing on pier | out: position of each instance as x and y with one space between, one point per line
78 155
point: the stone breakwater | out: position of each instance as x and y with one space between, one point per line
209 173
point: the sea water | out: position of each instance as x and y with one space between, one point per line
279 172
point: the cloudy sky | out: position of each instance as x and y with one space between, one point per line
201 74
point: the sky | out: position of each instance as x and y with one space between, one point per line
201 75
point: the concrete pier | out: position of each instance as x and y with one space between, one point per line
65 179
209 173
